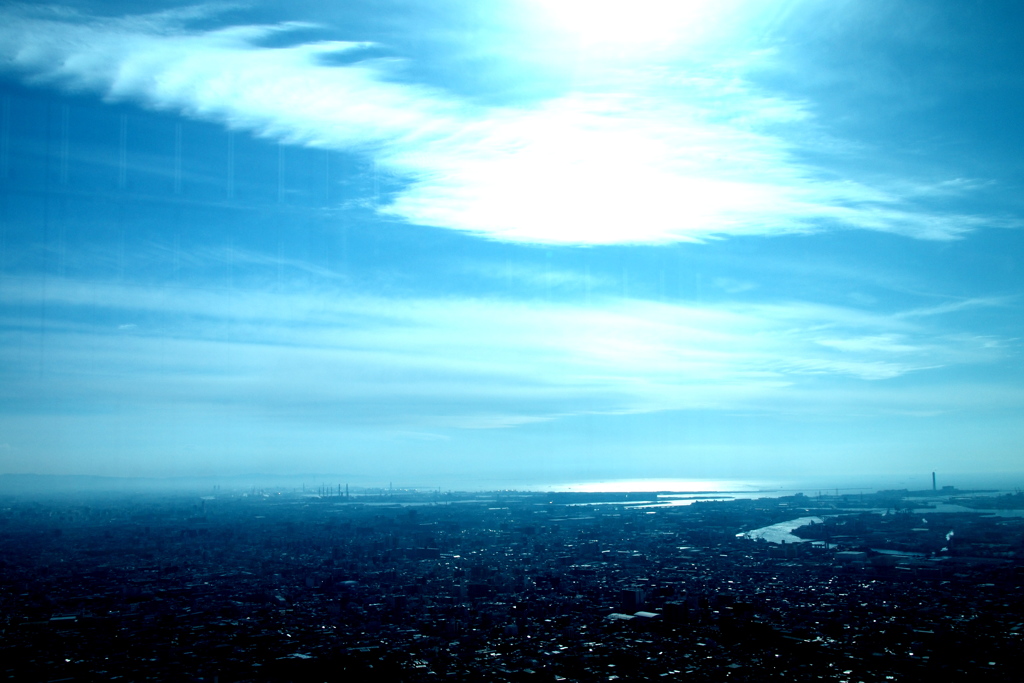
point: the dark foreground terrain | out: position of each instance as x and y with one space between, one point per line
289 586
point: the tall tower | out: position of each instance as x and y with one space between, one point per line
933 482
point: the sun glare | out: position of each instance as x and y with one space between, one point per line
636 23
648 485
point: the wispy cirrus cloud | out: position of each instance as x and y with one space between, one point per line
646 153
456 362
537 277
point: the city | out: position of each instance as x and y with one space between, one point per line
265 585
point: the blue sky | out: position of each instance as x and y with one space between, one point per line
529 242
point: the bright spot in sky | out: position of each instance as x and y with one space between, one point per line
637 22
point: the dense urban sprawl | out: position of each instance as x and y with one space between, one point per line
506 586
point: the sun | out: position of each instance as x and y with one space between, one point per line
620 23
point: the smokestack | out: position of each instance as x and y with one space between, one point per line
933 482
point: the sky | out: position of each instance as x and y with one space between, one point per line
512 243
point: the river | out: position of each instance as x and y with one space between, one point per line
782 532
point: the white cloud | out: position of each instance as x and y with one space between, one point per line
645 154
536 276
733 286
425 364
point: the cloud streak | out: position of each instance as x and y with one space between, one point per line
430 363
647 154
